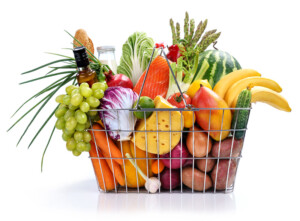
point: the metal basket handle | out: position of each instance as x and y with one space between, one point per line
163 52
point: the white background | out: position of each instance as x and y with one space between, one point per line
263 35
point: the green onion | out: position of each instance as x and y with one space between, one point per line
65 67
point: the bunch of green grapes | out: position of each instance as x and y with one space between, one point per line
72 114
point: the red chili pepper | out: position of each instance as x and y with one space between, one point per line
174 53
160 45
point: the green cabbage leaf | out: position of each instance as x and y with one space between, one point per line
136 53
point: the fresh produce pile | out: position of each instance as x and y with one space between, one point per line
164 120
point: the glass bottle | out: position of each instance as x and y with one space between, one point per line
85 73
106 55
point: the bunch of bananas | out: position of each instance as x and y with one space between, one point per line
263 89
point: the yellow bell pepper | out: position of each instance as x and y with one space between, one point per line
195 86
131 179
188 118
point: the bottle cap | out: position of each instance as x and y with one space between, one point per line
81 57
105 48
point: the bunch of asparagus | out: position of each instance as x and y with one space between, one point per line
191 45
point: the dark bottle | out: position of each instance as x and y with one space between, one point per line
85 73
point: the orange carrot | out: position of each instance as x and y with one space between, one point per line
117 170
109 183
106 147
154 166
157 81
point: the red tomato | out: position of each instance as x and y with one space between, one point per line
177 101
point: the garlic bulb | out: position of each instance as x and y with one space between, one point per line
152 184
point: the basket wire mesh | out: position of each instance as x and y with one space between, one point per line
232 161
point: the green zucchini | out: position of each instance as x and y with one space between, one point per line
240 117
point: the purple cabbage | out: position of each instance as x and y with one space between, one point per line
114 120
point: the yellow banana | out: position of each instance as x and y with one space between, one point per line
234 91
268 96
228 80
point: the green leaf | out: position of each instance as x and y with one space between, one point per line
41 128
75 81
70 66
42 162
71 58
45 65
136 54
39 110
51 86
28 112
47 76
49 72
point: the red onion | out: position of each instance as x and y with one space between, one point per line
165 179
175 153
118 80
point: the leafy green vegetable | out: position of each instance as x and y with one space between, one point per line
65 67
136 53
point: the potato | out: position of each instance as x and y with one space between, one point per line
225 148
200 142
222 174
199 178
202 162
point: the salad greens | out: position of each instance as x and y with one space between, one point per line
136 53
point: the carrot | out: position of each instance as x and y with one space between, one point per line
104 174
106 147
157 81
154 167
117 170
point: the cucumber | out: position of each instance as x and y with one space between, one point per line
240 117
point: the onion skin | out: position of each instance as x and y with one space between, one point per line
119 80
175 153
165 179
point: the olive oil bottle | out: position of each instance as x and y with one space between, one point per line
85 73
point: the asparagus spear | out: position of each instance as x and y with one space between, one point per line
207 41
178 31
186 26
173 31
192 29
208 33
198 33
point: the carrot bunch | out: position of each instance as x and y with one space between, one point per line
108 171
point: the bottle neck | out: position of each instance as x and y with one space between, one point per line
86 68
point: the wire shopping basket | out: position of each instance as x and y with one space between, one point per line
211 169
